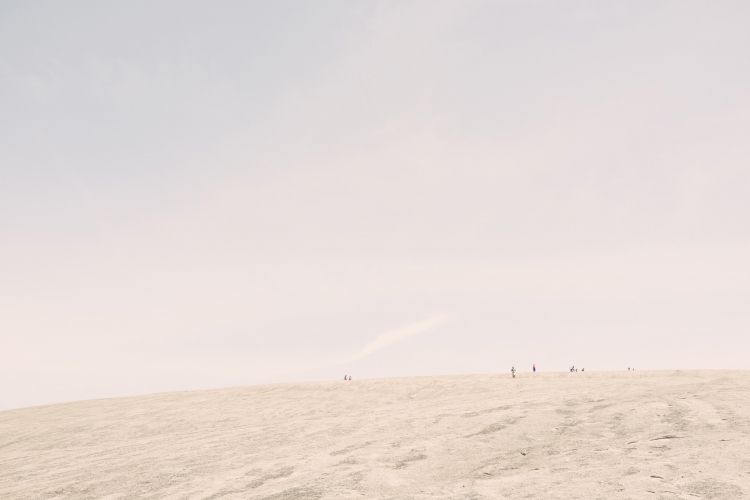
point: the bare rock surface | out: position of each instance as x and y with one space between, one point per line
683 434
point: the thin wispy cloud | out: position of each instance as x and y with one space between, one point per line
383 340
394 336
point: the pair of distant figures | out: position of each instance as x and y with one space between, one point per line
574 369
345 377
513 370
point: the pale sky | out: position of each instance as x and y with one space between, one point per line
209 194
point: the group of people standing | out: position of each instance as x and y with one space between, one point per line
533 369
513 371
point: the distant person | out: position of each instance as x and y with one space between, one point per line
345 377
513 371
350 377
583 369
533 368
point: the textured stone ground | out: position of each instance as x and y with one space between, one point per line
560 435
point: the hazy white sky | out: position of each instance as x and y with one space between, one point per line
202 194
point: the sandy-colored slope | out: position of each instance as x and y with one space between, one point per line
563 435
